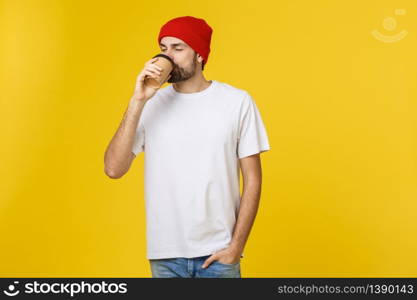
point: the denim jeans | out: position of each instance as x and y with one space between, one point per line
191 268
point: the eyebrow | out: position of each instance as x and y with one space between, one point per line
176 44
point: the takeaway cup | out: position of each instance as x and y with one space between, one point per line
167 64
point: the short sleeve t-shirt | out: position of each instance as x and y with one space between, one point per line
192 143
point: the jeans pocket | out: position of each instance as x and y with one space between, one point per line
232 265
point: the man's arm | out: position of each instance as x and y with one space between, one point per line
252 182
118 156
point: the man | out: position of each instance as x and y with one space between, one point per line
196 134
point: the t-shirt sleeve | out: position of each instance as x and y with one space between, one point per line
139 140
252 136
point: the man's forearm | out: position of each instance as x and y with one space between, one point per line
118 151
247 212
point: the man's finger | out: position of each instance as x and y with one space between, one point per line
208 261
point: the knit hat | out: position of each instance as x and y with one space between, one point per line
194 31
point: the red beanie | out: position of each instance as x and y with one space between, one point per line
194 31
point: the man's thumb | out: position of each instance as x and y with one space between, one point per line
208 261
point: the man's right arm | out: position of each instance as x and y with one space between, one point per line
119 156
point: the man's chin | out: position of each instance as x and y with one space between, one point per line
174 81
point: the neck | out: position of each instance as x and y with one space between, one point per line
193 85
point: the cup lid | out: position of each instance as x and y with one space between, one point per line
165 56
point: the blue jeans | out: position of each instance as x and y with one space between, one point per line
191 268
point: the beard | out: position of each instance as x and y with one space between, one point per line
180 74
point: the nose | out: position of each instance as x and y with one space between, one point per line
168 53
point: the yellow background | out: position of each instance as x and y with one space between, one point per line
339 185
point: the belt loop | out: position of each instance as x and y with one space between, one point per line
190 266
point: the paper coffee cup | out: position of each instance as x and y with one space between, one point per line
167 64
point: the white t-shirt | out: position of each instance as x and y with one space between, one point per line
192 144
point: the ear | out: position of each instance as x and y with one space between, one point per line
199 58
